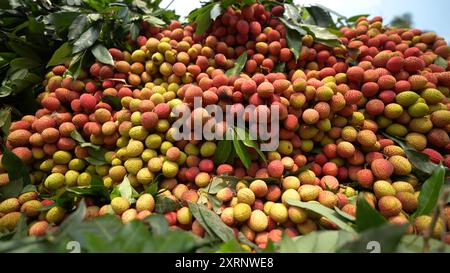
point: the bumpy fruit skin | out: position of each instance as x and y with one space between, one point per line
258 221
279 213
38 228
401 165
9 205
382 169
128 216
120 205
389 206
297 215
54 181
246 196
241 212
383 188
145 202
9 221
55 215
408 200
309 192
31 208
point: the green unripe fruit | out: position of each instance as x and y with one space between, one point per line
307 146
285 147
191 149
432 96
383 122
418 110
120 205
279 213
163 47
10 220
138 56
133 165
54 181
208 149
166 145
47 165
55 215
393 110
84 179
162 125
77 164
383 188
144 176
169 169
324 93
241 212
102 170
407 98
397 130
136 118
71 178
416 141
153 141
421 125
148 154
122 142
61 157
138 133
134 148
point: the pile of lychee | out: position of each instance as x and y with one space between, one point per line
333 106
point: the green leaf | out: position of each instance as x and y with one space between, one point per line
21 230
322 210
294 42
203 21
29 188
75 135
316 242
386 237
223 151
291 12
412 243
280 67
87 39
164 204
77 27
211 222
113 101
441 62
24 50
102 54
366 216
24 63
319 33
62 20
429 194
241 152
344 214
238 65
158 224
244 135
154 21
300 170
5 120
217 183
134 31
231 246
356 17
61 55
73 220
321 17
18 174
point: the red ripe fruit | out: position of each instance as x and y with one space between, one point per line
414 64
382 169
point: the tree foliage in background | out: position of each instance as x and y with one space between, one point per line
402 21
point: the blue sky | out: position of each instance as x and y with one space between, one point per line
430 15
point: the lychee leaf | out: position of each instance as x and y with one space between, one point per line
356 17
102 54
113 101
211 222
61 55
294 42
318 208
430 191
165 204
383 239
242 153
71 222
215 11
244 135
203 21
223 152
316 242
87 39
158 224
5 120
366 216
238 65
320 16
